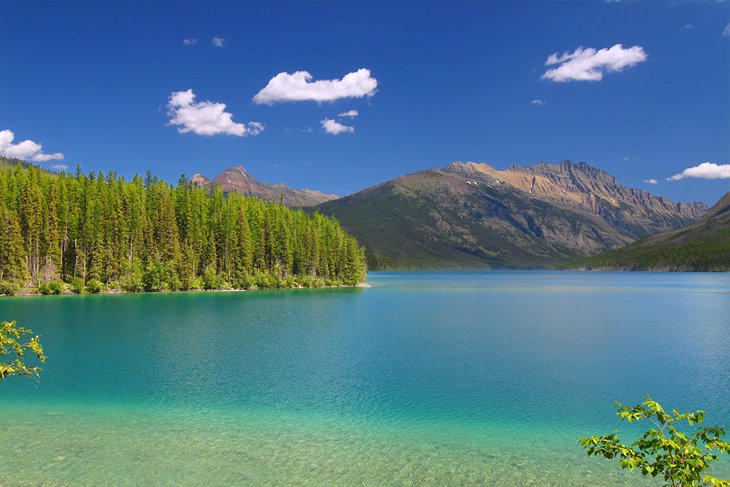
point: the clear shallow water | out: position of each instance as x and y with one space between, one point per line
463 378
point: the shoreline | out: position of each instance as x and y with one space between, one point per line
25 292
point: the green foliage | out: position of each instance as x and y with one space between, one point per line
132 280
11 343
708 254
680 457
213 279
94 286
52 287
8 288
156 277
100 232
77 285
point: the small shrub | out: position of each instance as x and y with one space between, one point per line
264 280
196 283
93 286
213 280
289 282
159 276
246 282
51 288
132 281
77 285
56 287
8 288
185 283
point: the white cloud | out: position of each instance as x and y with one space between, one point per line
218 41
349 113
538 102
205 117
190 41
726 31
59 167
688 26
590 64
299 86
650 181
335 128
706 170
26 150
41 157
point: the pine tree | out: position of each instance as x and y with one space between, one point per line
31 224
13 264
51 238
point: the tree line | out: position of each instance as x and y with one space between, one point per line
98 231
709 252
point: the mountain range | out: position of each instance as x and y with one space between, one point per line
470 215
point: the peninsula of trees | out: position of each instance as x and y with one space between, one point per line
99 232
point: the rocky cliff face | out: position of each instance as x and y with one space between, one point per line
587 188
471 215
721 209
238 179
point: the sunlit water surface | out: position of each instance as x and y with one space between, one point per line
427 378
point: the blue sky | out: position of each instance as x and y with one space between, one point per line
454 81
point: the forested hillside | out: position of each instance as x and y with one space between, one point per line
703 246
96 232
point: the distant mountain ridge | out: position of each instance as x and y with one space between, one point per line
584 187
470 215
238 179
701 246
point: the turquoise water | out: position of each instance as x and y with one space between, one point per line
427 378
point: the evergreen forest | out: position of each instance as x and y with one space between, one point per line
98 232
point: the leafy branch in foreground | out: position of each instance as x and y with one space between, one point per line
680 457
11 342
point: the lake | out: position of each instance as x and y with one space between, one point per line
426 378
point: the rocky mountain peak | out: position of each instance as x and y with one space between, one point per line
469 168
239 170
199 180
239 180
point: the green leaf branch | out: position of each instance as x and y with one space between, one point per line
680 457
12 343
